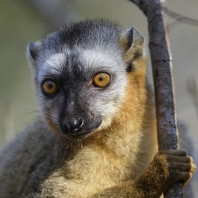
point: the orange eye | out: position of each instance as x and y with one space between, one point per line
49 87
101 80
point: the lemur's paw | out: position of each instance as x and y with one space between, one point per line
178 166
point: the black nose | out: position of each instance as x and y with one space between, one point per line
73 125
76 125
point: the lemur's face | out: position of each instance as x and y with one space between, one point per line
80 76
79 90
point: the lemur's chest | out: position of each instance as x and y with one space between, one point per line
94 168
87 173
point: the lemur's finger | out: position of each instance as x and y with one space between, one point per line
173 152
180 166
179 176
181 163
182 159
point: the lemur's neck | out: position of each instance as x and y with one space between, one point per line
114 152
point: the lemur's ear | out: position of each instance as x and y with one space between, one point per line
33 50
32 53
133 44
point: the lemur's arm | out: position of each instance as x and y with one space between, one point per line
166 168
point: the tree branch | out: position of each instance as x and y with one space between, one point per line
162 73
181 18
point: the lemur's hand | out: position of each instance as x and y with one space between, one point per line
180 166
167 167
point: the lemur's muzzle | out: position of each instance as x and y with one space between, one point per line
78 127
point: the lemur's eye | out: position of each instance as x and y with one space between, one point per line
49 87
101 79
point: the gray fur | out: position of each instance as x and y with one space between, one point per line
31 157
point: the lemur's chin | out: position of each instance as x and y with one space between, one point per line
83 134
79 136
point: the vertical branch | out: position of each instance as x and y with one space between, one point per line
163 81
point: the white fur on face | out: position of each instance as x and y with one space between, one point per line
108 102
97 58
52 65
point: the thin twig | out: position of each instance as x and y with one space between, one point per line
181 18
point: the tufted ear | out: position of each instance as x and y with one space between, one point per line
133 44
32 53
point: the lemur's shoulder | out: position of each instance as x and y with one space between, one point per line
29 159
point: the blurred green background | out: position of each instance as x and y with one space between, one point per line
22 21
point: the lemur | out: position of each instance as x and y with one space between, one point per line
96 135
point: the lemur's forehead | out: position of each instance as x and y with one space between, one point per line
83 60
51 65
101 59
54 62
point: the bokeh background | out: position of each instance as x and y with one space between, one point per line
22 21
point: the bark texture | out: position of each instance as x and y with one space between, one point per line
159 46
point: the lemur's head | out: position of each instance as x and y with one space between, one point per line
81 75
